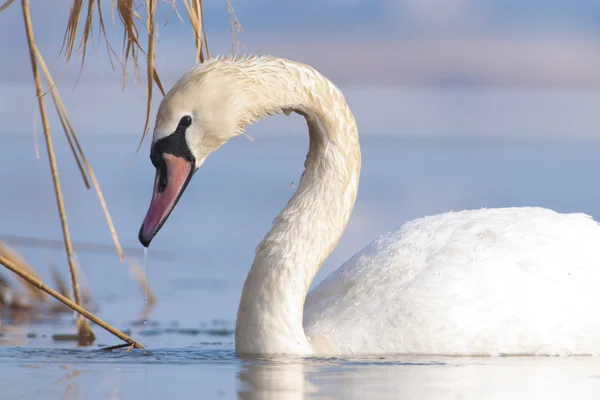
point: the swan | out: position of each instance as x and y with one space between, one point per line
512 281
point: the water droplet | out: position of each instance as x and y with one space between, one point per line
146 280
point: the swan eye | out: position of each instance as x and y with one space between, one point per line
185 121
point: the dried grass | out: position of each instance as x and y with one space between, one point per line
29 303
34 303
132 47
17 269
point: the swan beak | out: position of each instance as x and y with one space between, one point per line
172 176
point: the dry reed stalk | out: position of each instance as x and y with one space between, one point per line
70 133
82 311
61 117
6 4
84 329
201 41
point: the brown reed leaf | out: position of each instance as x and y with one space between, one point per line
86 32
132 46
71 31
159 83
131 43
109 49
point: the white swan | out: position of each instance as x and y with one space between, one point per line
482 282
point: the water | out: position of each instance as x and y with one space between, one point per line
146 274
212 234
217 373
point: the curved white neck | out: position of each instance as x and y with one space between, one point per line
270 314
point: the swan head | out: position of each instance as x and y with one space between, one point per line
206 107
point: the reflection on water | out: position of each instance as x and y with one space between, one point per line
69 382
198 373
422 378
276 379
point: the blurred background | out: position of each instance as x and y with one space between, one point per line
460 104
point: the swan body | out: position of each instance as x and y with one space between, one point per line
477 282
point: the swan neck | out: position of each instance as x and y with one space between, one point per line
270 315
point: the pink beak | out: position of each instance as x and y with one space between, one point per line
171 180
